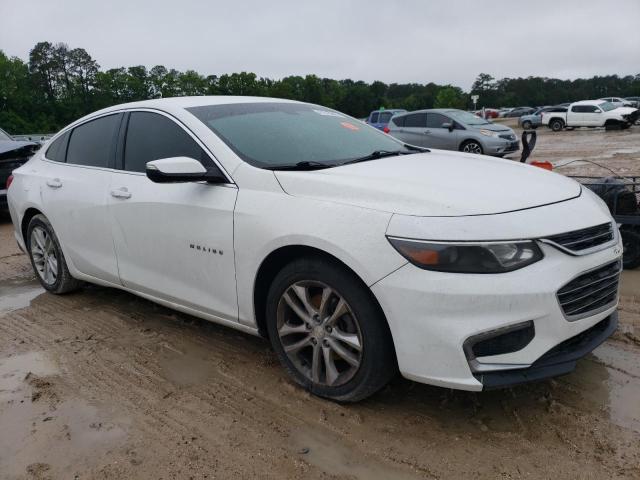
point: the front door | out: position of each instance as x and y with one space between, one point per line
173 241
437 136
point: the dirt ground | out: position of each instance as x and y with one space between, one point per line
102 384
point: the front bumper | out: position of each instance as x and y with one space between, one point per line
432 314
500 146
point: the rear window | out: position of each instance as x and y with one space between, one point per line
398 121
385 117
416 120
93 143
57 151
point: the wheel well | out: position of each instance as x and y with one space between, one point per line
274 262
28 215
464 142
553 119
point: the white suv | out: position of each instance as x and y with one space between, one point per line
355 254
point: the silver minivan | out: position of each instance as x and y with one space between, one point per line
451 129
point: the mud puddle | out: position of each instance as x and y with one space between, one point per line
185 365
17 294
630 284
334 457
43 433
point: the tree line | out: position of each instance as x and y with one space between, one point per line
59 84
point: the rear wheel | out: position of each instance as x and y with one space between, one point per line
527 125
630 249
556 124
328 332
471 146
47 258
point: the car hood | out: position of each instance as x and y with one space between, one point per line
624 110
17 146
436 183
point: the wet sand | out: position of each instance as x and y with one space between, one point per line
102 384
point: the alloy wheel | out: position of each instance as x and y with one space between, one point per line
43 253
472 147
319 333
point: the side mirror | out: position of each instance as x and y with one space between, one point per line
182 169
449 126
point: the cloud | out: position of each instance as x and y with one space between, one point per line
393 41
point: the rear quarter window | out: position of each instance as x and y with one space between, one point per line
93 143
57 151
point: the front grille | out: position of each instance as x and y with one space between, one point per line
591 292
508 136
584 239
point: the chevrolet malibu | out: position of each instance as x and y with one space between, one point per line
355 254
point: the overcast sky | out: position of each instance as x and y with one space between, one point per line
448 41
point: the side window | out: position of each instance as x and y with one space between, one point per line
418 120
374 118
151 136
398 121
385 117
578 109
435 120
57 151
590 108
93 143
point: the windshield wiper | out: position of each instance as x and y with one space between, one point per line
374 155
300 166
386 153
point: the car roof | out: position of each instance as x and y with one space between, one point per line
589 102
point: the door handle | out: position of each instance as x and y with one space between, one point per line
121 193
54 183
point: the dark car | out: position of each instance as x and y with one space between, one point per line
520 111
13 154
380 118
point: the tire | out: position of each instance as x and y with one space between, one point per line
630 249
609 126
556 125
359 321
47 259
471 146
527 125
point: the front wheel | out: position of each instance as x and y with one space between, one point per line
328 331
527 125
471 146
47 258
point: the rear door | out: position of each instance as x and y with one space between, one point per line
174 241
438 136
74 193
413 131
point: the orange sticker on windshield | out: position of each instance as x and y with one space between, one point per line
349 126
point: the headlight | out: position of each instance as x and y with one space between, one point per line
489 133
471 257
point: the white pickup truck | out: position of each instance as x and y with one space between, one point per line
591 113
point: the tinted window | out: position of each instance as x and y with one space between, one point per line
398 121
435 120
93 143
58 149
415 120
374 117
578 108
151 136
385 117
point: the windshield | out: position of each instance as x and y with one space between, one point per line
280 134
4 135
466 118
606 106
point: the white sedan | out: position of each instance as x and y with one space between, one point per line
355 254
